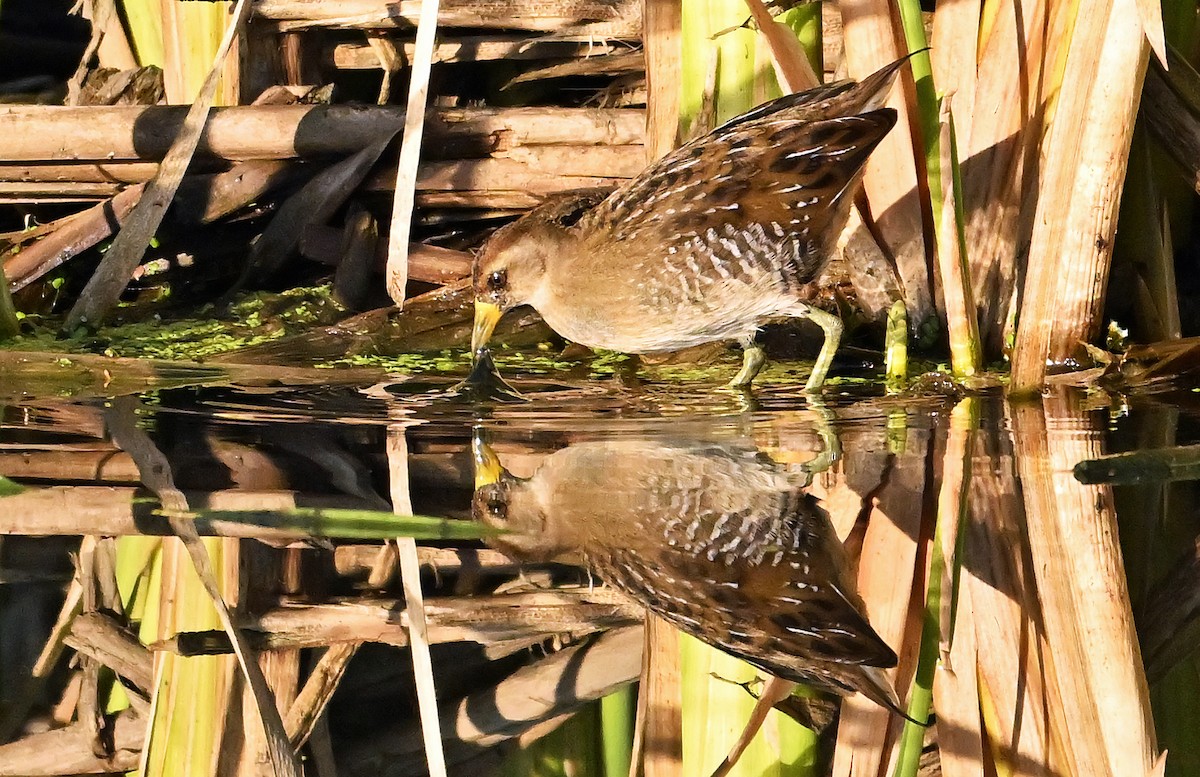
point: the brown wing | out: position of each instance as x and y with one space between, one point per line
760 189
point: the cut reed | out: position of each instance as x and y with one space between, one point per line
1085 161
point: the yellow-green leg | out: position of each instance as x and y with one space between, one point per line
833 335
753 359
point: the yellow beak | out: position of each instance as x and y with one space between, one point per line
487 314
487 465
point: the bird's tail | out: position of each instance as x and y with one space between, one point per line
873 682
872 92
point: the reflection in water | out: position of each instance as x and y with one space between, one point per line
716 538
993 573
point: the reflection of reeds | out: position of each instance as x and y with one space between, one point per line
1085 611
891 570
1019 601
192 696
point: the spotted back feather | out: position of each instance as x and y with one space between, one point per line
764 198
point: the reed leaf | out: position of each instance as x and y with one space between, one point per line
345 523
143 19
717 701
9 488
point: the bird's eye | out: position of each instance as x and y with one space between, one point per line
497 280
497 507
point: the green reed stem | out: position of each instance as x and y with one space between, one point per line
616 730
10 325
965 349
896 348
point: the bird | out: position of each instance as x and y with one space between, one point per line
707 243
712 536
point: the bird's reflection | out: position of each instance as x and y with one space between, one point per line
714 537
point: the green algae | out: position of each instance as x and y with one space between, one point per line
263 317
250 320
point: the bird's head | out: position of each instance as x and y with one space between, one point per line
511 269
508 503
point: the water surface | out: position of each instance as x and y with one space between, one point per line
858 543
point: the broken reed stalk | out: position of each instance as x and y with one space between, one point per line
410 154
966 351
1085 162
79 233
997 66
658 728
111 134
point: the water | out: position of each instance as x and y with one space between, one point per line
824 542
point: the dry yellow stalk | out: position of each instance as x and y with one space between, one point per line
955 55
1085 160
410 154
998 143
